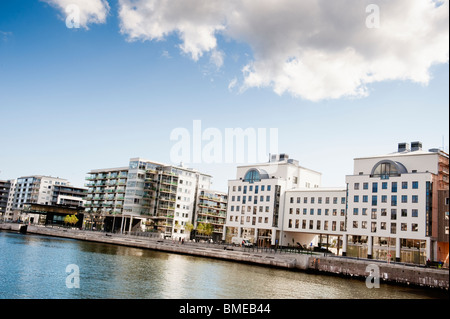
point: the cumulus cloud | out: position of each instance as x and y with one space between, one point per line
86 11
315 50
196 23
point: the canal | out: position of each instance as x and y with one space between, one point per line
34 267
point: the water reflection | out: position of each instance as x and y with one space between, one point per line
34 267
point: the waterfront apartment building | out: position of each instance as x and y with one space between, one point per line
43 190
256 198
5 187
393 207
211 213
392 211
315 217
144 196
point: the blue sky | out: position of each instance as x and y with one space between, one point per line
72 100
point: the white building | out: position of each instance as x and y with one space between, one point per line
392 204
389 209
256 198
313 212
145 195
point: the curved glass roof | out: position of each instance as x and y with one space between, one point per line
386 168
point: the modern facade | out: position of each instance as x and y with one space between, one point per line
392 211
5 187
315 217
256 198
393 207
211 210
144 196
43 190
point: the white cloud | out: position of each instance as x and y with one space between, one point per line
316 49
88 11
195 21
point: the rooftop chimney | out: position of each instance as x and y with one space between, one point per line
402 147
416 146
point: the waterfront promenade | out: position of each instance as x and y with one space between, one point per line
396 273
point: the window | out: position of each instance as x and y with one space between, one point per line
297 223
415 185
414 213
267 198
268 188
374 213
298 200
365 185
355 211
334 200
297 211
356 186
385 169
355 224
318 225
383 225
305 200
356 198
404 198
393 214
319 211
383 212
384 185
245 189
311 211
303 224
374 200
292 200
404 212
404 185
262 188
365 199
384 198
327 200
311 224
304 211
290 210
252 176
374 227
342 200
312 200
403 227
319 200
393 228
374 187
394 187
414 227
415 198
364 211
394 200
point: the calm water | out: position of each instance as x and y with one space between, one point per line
34 266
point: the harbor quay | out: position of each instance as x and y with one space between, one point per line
312 262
